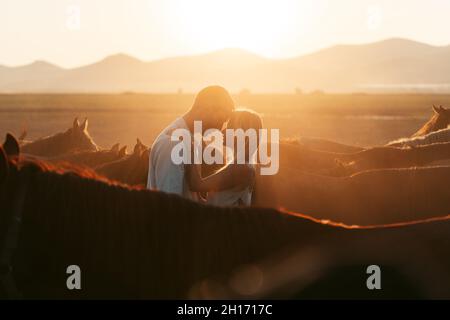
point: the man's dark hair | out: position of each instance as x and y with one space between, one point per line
215 97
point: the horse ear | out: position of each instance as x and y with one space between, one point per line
76 124
136 149
11 146
436 109
115 148
23 135
84 125
4 165
123 151
138 141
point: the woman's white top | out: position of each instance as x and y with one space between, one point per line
237 196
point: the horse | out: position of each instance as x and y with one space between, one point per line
390 157
131 169
76 138
377 196
135 243
92 159
430 132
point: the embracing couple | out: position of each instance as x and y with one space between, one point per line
227 184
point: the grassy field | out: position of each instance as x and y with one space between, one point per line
358 119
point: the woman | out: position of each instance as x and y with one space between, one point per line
240 195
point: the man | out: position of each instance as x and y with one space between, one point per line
213 106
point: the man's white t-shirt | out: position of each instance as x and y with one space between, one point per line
163 174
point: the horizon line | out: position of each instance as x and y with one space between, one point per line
217 51
317 92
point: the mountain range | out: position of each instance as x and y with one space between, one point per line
392 65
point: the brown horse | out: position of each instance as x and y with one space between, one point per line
131 169
92 159
76 138
132 243
296 156
368 197
390 157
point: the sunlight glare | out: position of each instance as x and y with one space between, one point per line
255 25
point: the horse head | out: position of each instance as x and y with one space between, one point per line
10 150
78 137
131 169
443 117
117 150
439 120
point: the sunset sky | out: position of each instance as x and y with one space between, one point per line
75 32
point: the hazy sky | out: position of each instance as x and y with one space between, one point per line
76 32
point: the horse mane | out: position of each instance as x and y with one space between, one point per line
64 168
439 120
435 134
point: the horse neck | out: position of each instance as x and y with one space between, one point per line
49 146
432 125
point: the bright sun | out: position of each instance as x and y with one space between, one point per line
261 26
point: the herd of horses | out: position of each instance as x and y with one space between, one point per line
310 234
